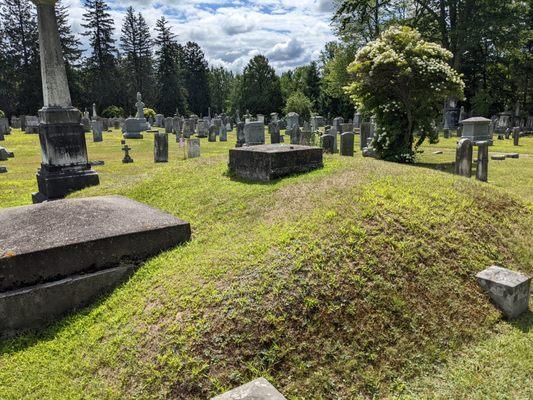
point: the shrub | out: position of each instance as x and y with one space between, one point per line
113 112
149 113
403 81
2 114
300 104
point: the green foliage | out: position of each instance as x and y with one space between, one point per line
300 104
195 77
221 82
113 112
403 81
149 113
260 90
2 114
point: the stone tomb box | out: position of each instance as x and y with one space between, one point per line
60 255
265 163
476 129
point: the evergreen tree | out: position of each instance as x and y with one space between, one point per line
137 46
21 52
220 85
260 87
102 73
196 78
170 93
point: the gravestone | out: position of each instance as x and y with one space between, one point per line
188 128
509 290
293 119
202 129
294 134
241 140
32 125
333 132
193 148
482 167
160 147
160 120
447 133
64 166
223 133
366 134
463 158
64 254
15 122
86 122
5 154
177 125
317 122
267 162
347 144
516 136
337 123
348 127
306 136
328 143
4 127
476 129
357 119
97 127
259 389
3 170
498 157
116 123
260 118
213 130
274 132
134 126
254 133
274 117
126 149
169 125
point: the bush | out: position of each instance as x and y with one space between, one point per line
149 113
403 81
300 104
113 112
2 114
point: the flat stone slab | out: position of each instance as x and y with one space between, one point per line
509 290
512 155
268 162
55 240
3 170
498 157
260 389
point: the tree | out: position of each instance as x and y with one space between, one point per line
300 104
170 92
137 46
21 55
220 85
196 77
102 73
260 87
403 81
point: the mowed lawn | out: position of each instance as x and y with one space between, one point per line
353 281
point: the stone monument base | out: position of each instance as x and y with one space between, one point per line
265 163
133 127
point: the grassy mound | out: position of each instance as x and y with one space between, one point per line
340 283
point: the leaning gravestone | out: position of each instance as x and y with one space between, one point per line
509 290
193 148
463 158
160 147
59 256
482 173
254 133
347 144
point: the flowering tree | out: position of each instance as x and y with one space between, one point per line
403 81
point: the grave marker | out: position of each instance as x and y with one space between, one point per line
160 147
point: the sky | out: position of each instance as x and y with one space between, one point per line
289 32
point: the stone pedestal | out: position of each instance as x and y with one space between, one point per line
133 127
347 144
463 158
509 290
160 147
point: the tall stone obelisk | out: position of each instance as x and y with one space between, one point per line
64 167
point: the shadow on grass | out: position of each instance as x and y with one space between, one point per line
234 178
448 167
524 323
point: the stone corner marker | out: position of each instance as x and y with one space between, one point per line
259 389
64 167
59 256
509 290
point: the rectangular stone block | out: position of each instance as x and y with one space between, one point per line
509 290
265 163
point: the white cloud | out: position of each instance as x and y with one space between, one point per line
289 32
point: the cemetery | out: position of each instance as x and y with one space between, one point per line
259 251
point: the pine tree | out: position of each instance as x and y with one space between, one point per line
196 74
102 73
21 52
260 87
137 46
220 85
170 91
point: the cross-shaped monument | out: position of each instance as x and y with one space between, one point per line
126 149
64 167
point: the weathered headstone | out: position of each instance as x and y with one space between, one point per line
241 140
97 127
328 143
293 119
4 127
317 122
254 133
160 147
126 149
3 170
463 158
274 132
365 134
213 130
347 127
193 148
337 123
294 134
5 154
306 136
516 136
169 125
86 122
159 120
223 137
65 166
476 129
482 168
347 144
202 129
32 125
509 290
134 126
15 122
260 118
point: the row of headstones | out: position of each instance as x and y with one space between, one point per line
161 146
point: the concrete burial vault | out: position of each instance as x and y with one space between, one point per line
59 256
268 162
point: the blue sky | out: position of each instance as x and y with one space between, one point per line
289 32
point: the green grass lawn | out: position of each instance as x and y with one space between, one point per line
356 280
